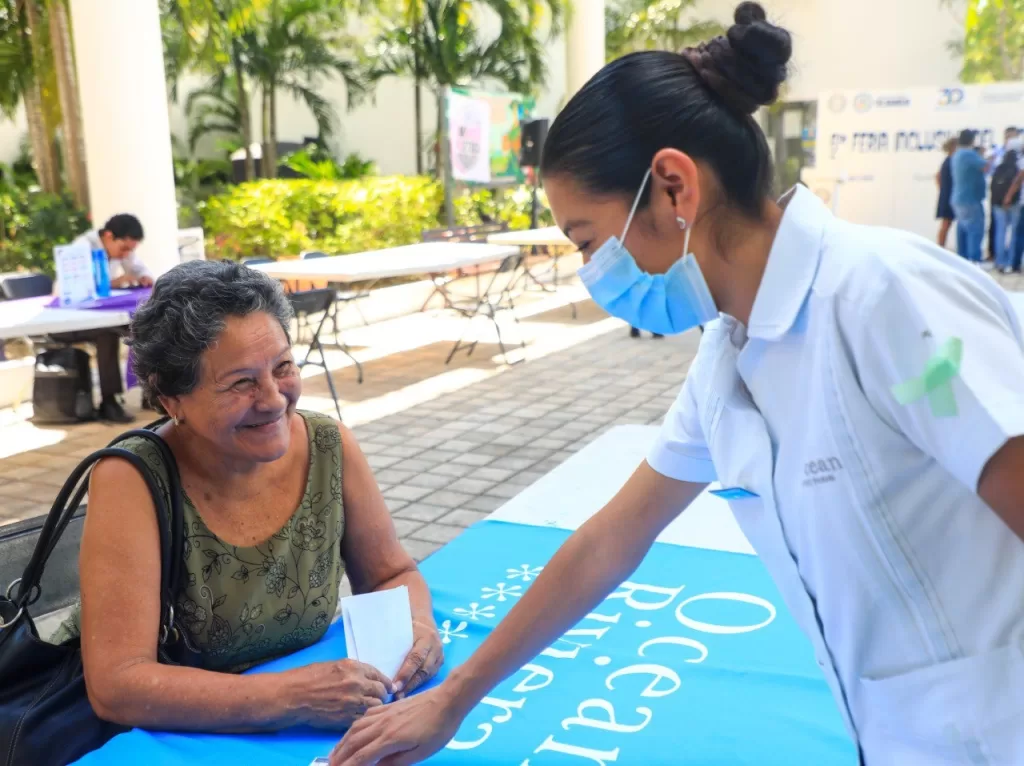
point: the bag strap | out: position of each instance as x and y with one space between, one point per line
170 522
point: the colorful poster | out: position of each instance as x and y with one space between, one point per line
74 274
469 138
507 113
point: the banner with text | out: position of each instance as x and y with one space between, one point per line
693 660
881 150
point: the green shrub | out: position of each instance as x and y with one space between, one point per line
31 224
284 217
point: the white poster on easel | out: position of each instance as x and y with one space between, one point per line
75 281
469 138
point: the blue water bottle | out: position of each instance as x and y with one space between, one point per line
101 273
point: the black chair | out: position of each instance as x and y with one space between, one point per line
306 304
32 285
346 295
479 234
60 580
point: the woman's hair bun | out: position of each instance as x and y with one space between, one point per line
749 64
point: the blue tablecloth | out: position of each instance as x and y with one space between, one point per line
671 669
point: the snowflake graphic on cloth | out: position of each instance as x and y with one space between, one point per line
502 592
448 632
476 612
525 572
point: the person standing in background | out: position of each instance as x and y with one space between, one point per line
994 157
1006 206
968 198
944 178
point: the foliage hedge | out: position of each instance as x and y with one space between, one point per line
275 218
31 224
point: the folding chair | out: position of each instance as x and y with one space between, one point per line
489 302
460 234
305 304
345 293
30 285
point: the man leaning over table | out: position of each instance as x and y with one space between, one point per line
119 238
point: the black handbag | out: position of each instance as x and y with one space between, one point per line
45 714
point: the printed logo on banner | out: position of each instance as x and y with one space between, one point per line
837 102
950 98
862 102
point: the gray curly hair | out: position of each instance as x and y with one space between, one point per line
186 314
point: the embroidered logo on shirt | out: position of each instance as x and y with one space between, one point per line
821 471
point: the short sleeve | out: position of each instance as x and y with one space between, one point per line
680 451
971 410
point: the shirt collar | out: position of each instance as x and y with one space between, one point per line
792 265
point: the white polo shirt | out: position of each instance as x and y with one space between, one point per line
909 586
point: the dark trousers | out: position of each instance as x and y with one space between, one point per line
108 356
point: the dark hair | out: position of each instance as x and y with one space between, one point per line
1011 129
700 101
967 137
124 226
187 313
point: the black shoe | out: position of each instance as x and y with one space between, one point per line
112 411
655 335
634 332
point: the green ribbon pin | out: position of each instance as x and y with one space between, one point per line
936 382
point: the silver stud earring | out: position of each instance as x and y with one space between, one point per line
177 422
682 223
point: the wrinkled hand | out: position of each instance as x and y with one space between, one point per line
145 281
120 282
423 661
333 695
401 733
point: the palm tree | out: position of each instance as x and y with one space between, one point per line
636 25
291 48
70 104
447 48
26 78
208 35
213 109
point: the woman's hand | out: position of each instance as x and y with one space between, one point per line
333 695
401 733
423 661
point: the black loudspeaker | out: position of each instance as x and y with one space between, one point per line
62 392
535 132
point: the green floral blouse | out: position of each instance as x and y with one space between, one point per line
245 605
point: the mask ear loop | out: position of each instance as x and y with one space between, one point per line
636 204
686 241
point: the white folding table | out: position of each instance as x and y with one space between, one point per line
436 260
32 318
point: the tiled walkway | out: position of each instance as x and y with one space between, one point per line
448 444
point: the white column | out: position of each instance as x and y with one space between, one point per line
584 41
119 54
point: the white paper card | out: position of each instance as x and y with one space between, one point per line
74 274
378 628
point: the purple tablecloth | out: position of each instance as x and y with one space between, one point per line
120 300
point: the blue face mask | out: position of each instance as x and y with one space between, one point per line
667 304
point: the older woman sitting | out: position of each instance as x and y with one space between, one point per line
279 504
